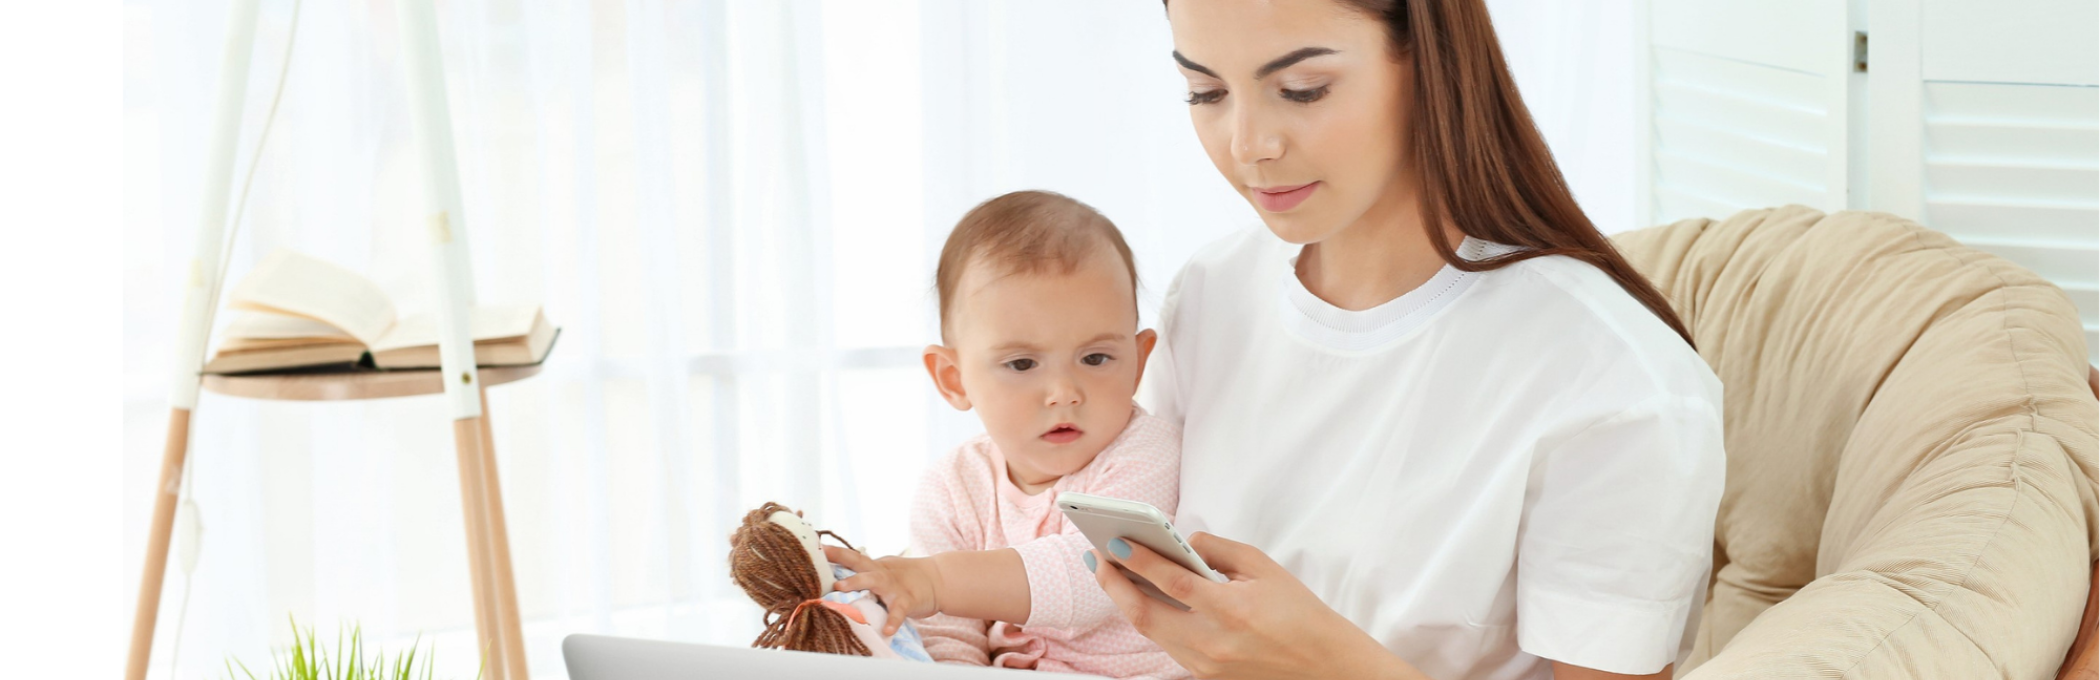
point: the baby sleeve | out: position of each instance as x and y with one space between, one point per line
1616 537
938 510
1146 467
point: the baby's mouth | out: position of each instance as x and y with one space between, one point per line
1064 433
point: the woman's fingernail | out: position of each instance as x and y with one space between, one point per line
1089 556
1120 549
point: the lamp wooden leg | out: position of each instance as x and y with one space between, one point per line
466 437
164 497
511 632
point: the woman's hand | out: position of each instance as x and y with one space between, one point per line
909 587
1263 623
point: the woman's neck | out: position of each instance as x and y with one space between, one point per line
1381 257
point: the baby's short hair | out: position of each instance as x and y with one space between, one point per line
1026 232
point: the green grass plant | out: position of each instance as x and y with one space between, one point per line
309 660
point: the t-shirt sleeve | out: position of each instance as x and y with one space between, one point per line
1617 535
938 510
1159 391
1146 467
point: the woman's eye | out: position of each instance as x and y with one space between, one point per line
1021 364
1095 359
1305 96
1205 97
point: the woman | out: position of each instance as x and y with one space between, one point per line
1450 432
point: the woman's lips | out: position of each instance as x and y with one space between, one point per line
1063 434
1283 198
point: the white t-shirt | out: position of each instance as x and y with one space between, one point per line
1492 470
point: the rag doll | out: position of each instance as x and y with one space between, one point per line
776 558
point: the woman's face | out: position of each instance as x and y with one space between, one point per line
1303 107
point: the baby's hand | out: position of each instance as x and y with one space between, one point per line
909 587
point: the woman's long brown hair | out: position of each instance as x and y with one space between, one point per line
1484 167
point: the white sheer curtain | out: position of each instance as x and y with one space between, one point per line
731 207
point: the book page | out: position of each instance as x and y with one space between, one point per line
290 283
345 354
256 325
489 323
252 331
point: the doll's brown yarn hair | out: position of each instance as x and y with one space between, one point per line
769 563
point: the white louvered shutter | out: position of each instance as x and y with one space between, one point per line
1981 120
1746 106
2011 149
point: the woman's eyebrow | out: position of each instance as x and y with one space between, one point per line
1285 61
1274 65
1193 66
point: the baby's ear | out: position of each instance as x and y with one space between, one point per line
941 365
1145 340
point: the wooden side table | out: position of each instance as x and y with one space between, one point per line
496 619
462 386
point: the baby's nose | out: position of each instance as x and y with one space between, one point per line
1064 393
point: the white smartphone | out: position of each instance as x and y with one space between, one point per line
1103 519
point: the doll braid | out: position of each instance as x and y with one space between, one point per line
769 563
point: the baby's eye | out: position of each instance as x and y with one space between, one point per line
1095 359
1021 364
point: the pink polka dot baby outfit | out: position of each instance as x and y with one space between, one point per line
966 502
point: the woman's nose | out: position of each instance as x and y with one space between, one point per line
1254 139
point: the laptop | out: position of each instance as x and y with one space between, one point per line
598 657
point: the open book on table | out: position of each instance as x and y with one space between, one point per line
295 311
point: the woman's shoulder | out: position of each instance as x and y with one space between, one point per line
1577 312
1230 256
1222 270
1243 246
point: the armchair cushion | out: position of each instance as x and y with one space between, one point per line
1911 448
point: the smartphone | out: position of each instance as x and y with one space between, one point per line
1103 519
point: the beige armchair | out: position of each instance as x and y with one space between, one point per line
1911 450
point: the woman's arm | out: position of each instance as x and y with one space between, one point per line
1563 671
1263 623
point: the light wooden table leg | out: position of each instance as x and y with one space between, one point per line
466 437
164 497
507 622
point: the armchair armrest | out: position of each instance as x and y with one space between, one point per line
2083 661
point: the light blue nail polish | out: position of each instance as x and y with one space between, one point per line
1118 548
1089 556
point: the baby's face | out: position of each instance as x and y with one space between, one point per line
1048 360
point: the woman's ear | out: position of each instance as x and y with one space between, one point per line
946 372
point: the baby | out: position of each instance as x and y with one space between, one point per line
1039 335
